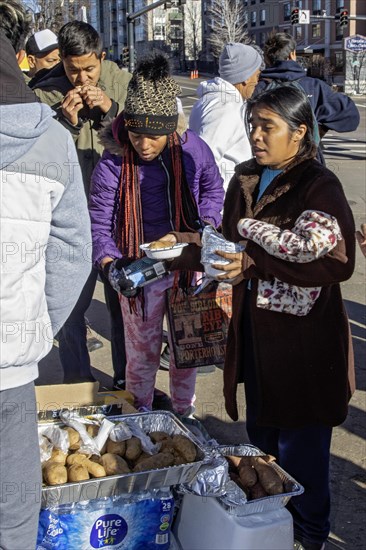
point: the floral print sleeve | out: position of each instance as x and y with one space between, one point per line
314 234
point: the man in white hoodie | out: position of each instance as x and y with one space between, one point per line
44 263
218 116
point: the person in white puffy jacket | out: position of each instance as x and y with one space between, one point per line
44 262
218 116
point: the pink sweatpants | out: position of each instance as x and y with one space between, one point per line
143 341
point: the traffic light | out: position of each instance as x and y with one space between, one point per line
295 16
343 18
126 56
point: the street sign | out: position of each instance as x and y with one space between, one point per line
304 17
355 43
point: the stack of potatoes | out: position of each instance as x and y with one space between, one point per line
123 457
255 476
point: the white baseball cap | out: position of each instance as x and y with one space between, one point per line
41 42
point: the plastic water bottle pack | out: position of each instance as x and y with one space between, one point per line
128 522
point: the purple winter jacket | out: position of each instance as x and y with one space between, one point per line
202 176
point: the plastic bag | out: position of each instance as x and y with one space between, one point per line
211 242
124 522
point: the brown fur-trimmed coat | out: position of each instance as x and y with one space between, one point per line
304 363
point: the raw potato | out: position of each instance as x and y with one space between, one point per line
268 477
257 491
74 439
133 448
76 458
77 472
185 447
156 245
116 447
54 473
247 473
160 460
142 457
114 464
94 469
156 437
58 456
178 459
167 445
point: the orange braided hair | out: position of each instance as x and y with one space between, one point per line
129 218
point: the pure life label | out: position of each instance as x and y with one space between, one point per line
108 530
124 522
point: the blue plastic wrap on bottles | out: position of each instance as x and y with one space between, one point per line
128 522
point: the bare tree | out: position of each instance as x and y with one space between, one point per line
52 14
228 22
192 30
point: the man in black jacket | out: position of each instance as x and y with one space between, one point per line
333 110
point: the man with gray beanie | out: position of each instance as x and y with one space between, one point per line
218 116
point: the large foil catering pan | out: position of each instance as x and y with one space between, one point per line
235 500
133 482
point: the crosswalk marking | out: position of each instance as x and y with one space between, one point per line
334 145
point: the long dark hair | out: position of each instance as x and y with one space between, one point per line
293 106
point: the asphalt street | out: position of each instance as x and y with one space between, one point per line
345 155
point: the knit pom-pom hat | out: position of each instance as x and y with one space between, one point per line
151 103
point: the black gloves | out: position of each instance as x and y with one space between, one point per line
115 274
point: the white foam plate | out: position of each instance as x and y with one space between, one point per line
163 253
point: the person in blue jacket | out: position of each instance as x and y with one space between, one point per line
333 110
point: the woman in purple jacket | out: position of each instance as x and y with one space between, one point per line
150 181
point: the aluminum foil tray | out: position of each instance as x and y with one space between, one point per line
235 500
134 482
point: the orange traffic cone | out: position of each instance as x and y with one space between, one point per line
192 75
196 73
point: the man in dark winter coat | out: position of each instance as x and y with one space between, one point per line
333 110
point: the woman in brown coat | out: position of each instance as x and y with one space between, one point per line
289 339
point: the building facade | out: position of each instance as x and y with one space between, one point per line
320 44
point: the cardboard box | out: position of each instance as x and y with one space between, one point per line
75 396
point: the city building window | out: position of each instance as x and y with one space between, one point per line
252 1
253 19
159 32
262 39
298 4
338 61
317 7
316 31
339 5
298 31
262 20
287 11
176 32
